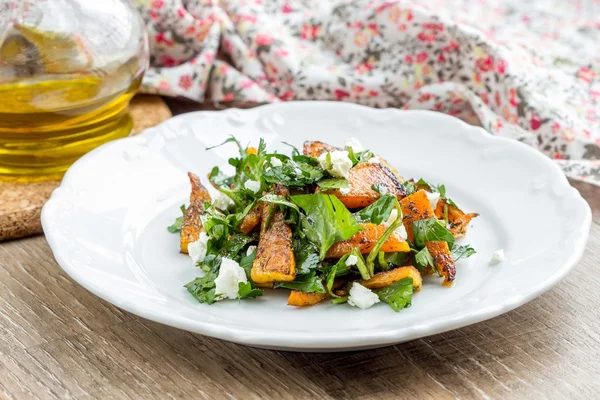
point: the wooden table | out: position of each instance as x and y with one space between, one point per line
57 340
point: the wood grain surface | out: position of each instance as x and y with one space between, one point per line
57 340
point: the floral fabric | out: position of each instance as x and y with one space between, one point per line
524 70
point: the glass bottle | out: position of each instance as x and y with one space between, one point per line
68 69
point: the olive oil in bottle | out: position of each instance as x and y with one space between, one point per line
63 94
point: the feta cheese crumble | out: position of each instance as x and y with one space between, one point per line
251 249
345 190
362 297
197 249
351 260
337 163
433 199
401 232
229 278
393 216
353 143
222 202
276 162
374 160
252 185
497 257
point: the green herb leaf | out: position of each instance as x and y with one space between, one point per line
176 227
293 174
333 183
431 230
245 291
306 255
375 250
396 259
398 295
203 289
459 252
377 212
307 283
423 259
327 220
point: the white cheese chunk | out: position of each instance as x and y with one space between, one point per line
362 297
356 146
252 185
337 163
374 160
276 162
401 232
351 260
229 278
251 249
345 190
222 202
393 216
197 249
497 257
433 199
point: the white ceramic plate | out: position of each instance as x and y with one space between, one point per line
106 223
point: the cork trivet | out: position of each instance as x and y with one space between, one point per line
21 204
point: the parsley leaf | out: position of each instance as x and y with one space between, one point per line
203 289
423 259
431 230
459 252
308 283
306 254
398 295
377 212
176 227
293 174
327 220
390 229
245 291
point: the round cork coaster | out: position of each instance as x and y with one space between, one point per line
21 203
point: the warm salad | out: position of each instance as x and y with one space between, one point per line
327 223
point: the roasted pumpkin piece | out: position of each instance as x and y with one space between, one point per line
458 220
301 299
442 258
362 177
415 207
251 220
387 278
366 239
316 148
274 260
192 226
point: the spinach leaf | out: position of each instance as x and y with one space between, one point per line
431 230
234 244
306 254
339 269
245 291
246 263
327 220
398 295
307 283
459 252
377 212
395 259
333 183
203 289
176 227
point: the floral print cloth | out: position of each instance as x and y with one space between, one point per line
524 70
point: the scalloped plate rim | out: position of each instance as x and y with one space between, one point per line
299 343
